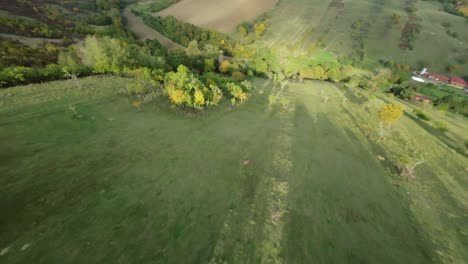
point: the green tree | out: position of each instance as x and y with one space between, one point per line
193 50
211 51
395 17
209 65
335 74
238 76
242 31
316 73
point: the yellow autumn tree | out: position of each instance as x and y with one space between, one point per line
260 29
225 66
199 99
388 115
176 96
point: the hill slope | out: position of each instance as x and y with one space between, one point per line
294 184
329 24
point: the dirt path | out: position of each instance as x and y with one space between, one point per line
143 32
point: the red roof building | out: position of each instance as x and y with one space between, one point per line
458 82
437 77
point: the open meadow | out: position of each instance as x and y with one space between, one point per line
345 27
237 131
300 184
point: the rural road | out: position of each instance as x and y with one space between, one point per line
143 32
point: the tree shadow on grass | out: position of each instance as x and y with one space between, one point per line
439 134
341 207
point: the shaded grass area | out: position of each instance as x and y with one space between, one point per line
334 210
243 186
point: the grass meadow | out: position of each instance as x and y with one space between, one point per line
300 184
307 23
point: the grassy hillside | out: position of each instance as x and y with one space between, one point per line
299 184
329 25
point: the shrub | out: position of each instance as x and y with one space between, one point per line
209 65
260 29
238 76
440 125
146 80
335 75
316 73
422 115
242 31
236 92
225 66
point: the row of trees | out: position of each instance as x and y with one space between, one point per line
412 26
183 33
183 88
95 55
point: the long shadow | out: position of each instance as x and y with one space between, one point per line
244 228
439 134
341 206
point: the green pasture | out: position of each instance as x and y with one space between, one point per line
300 184
304 23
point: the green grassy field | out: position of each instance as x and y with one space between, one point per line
306 22
251 185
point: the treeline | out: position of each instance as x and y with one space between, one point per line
412 26
96 55
453 6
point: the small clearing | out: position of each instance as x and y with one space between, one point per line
219 15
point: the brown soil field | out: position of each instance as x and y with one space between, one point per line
219 15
